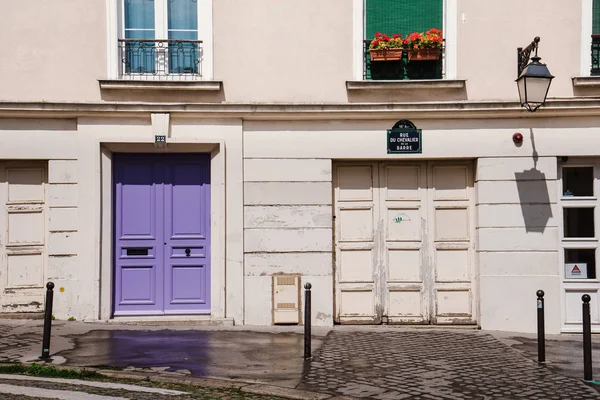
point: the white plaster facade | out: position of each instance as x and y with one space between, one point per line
276 128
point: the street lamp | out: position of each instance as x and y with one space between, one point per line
534 78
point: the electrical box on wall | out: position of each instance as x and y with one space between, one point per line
286 299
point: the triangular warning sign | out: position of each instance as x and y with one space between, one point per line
576 270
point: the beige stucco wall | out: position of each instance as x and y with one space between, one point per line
491 32
53 50
280 51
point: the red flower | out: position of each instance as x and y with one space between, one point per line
375 42
386 37
377 34
396 36
405 41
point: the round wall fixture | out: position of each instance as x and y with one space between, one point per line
518 138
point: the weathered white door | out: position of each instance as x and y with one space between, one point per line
404 248
22 236
404 261
357 252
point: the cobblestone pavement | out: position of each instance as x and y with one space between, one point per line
427 364
19 340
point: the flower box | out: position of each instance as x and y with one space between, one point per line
424 54
386 55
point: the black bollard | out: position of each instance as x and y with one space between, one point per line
307 321
541 332
587 339
47 321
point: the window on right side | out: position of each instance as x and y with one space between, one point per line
404 39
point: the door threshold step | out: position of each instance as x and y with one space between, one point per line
171 321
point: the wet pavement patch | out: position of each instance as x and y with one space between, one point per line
249 356
432 364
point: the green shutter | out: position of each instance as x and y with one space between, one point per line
596 17
406 16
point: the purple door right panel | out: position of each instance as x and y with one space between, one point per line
162 234
187 235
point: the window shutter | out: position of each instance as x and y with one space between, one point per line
596 17
403 16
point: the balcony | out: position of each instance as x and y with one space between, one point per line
171 60
160 64
403 69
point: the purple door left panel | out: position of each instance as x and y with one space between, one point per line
162 240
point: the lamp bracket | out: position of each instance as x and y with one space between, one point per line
523 55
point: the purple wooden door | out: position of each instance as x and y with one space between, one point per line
162 234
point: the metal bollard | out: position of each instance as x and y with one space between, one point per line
47 321
307 321
587 339
541 331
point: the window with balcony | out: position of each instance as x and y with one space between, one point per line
168 40
403 21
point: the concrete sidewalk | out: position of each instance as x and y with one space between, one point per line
356 361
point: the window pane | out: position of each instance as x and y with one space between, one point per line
582 257
578 181
183 14
402 16
578 222
139 14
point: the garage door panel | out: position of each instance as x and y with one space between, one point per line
450 182
25 270
26 227
25 185
403 182
453 303
452 224
355 183
404 265
406 304
356 265
355 303
404 224
452 265
356 224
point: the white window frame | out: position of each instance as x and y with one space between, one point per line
450 28
587 7
116 30
579 286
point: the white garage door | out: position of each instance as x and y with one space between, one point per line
404 243
22 236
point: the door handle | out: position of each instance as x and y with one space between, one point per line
187 252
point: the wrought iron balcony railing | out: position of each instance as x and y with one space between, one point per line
149 59
595 55
402 69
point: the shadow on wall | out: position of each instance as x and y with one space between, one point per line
533 195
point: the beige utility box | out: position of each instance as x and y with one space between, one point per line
286 299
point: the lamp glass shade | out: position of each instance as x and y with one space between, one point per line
533 85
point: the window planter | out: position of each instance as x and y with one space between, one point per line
424 54
386 55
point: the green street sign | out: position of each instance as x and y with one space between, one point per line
404 141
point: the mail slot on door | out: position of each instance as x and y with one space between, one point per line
137 251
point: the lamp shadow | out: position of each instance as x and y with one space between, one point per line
533 195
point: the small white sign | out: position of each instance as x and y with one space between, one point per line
576 271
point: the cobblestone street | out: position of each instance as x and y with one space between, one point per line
432 365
